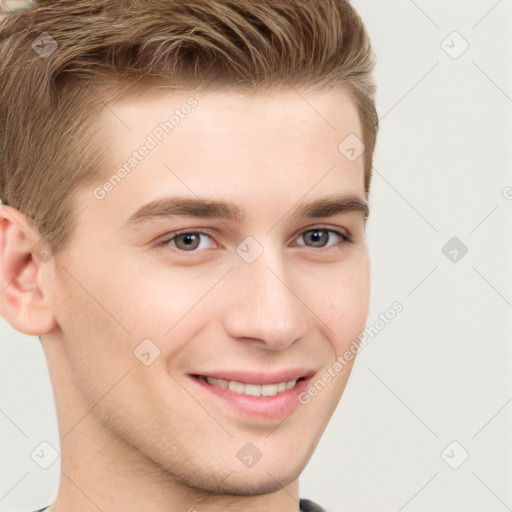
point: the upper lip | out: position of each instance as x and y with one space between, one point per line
259 376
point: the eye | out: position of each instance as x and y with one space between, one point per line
320 236
193 241
186 241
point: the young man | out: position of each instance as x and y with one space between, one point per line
184 188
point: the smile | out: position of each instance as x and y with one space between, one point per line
251 389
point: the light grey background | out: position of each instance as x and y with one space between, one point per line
440 372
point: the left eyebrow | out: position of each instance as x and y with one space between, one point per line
168 207
330 206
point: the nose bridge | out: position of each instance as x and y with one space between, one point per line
263 304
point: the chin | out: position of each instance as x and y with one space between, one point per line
249 484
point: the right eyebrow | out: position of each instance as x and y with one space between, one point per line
173 206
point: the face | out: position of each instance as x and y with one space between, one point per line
252 283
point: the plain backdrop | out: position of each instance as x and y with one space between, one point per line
425 422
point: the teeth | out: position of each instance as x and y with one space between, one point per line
249 389
252 389
235 386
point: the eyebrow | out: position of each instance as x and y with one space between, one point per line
175 206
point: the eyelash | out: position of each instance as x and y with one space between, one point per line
345 238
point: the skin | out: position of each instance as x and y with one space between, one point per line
136 437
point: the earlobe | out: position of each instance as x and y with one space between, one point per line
24 304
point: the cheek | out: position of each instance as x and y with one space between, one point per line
92 314
345 307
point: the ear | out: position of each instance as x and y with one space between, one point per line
24 259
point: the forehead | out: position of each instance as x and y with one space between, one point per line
274 148
232 108
283 125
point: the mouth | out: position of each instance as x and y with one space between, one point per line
255 395
251 389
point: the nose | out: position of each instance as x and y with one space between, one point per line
264 305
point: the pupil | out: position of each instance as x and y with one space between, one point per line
319 236
188 240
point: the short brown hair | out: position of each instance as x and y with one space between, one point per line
48 144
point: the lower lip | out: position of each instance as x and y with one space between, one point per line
258 407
